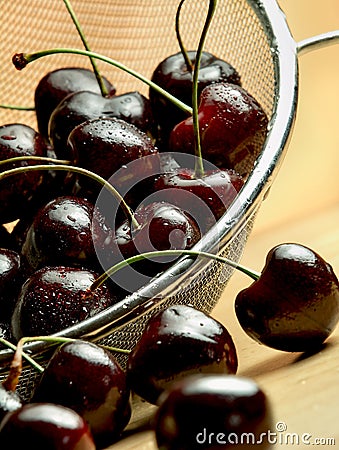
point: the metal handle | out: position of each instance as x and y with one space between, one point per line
319 41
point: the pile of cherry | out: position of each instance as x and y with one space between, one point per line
87 137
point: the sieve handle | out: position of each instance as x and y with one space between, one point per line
319 41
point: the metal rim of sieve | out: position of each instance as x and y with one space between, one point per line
285 63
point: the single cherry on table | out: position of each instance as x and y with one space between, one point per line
177 342
294 304
212 411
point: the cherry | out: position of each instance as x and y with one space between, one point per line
212 412
294 304
11 278
162 226
174 76
54 298
106 146
45 426
178 341
81 106
233 128
87 378
205 198
56 85
17 140
65 232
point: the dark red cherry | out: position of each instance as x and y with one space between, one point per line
65 232
206 198
87 378
162 226
213 412
79 107
173 75
11 278
107 146
54 298
45 426
15 196
233 128
178 341
294 305
56 85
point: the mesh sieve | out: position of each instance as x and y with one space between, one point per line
252 35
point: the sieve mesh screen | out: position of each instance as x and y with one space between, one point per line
139 35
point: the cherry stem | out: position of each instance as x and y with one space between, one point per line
11 382
126 262
17 107
199 167
98 76
20 61
18 170
15 370
188 62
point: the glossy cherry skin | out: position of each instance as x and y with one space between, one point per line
64 232
45 426
294 305
11 278
54 298
17 192
87 378
59 83
107 146
233 128
212 412
206 199
162 226
79 107
173 75
9 401
177 342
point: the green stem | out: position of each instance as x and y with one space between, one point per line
25 355
199 167
98 76
126 262
17 107
20 60
188 62
128 212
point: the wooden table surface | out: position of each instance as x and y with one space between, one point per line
303 206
